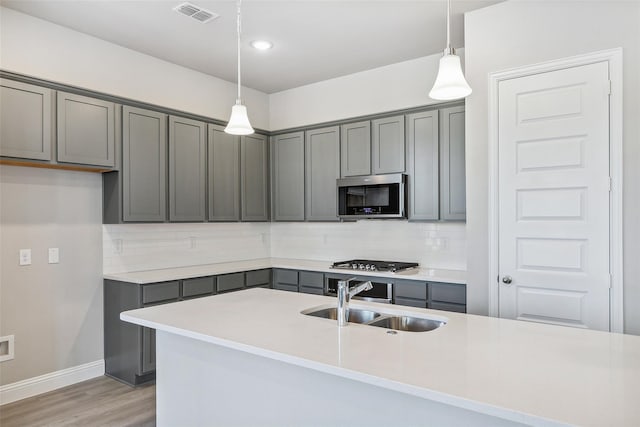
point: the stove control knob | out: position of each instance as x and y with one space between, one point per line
354 266
361 266
373 268
367 267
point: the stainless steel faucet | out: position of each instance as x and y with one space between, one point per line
344 295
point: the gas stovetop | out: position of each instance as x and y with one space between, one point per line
369 265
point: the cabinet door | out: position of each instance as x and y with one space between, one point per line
422 165
26 120
452 182
254 181
144 165
187 163
387 145
224 175
86 130
288 177
148 353
355 149
322 168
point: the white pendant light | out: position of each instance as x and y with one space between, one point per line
450 83
239 120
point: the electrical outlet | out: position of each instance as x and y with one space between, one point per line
6 348
25 256
54 255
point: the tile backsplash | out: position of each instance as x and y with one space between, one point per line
135 247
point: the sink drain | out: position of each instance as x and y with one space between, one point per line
392 332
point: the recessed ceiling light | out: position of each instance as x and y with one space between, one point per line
261 44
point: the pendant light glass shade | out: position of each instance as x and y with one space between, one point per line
239 120
450 83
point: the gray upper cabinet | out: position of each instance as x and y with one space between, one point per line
322 168
224 175
452 159
355 149
86 130
387 145
26 120
187 169
144 165
288 177
422 165
254 180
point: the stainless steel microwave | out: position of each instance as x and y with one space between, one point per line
374 196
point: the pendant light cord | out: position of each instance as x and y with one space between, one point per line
448 25
239 32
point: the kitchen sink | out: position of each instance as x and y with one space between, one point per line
407 323
354 315
380 319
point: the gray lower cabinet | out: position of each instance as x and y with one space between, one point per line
26 120
422 165
224 175
311 282
452 161
448 296
254 179
144 165
86 130
285 280
187 169
410 292
130 350
387 145
322 168
288 177
355 149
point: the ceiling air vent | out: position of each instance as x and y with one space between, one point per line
195 12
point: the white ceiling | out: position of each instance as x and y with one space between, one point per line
313 40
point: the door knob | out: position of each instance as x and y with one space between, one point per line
507 280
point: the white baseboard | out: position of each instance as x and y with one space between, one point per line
51 381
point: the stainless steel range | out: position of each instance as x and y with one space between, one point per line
382 290
369 265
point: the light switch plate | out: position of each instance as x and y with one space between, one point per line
54 255
25 256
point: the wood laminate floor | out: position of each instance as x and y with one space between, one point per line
97 402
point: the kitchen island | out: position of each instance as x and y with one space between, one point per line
251 358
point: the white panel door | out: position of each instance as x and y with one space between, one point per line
554 197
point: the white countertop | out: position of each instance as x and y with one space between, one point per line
163 275
526 372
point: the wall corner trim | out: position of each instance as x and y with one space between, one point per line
51 381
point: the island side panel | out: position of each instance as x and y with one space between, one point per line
199 383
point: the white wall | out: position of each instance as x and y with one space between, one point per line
392 87
41 49
523 32
54 310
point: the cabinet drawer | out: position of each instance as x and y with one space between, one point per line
411 302
446 292
286 276
160 292
258 277
459 308
410 289
285 287
230 282
199 286
311 290
311 279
